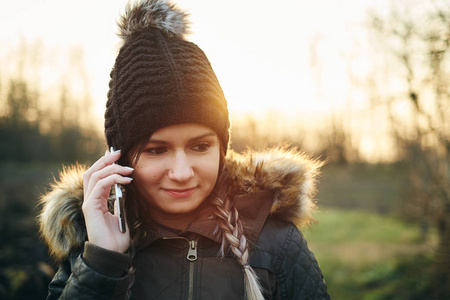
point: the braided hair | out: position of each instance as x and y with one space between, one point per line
231 231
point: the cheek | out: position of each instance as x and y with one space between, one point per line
147 175
210 172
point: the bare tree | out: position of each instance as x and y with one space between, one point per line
418 45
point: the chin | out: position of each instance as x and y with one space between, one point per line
182 209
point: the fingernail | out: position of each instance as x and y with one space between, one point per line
129 168
106 152
129 178
117 151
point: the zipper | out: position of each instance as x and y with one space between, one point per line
191 257
192 253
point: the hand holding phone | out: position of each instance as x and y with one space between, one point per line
101 226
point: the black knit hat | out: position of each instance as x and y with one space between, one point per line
160 79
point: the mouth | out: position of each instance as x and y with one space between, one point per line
180 193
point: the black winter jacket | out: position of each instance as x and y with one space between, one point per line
275 190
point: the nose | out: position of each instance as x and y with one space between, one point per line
181 168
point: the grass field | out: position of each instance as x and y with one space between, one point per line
369 256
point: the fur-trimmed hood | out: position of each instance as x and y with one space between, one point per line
290 176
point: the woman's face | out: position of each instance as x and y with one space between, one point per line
176 172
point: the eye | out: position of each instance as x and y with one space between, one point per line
156 150
202 147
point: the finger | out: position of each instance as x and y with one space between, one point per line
102 162
99 194
105 172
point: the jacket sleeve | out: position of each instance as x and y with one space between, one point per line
300 276
56 286
96 274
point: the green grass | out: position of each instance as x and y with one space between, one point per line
343 226
370 256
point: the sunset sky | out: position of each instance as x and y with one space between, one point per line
284 54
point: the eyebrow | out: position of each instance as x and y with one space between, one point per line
191 140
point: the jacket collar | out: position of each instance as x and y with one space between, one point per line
279 182
205 225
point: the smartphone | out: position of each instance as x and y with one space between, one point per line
119 204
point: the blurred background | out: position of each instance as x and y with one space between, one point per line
361 84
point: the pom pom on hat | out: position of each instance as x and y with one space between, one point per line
153 13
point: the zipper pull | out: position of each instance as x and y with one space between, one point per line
192 253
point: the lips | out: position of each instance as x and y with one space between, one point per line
180 193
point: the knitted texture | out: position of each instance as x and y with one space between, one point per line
160 79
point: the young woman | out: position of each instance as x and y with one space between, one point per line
201 222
